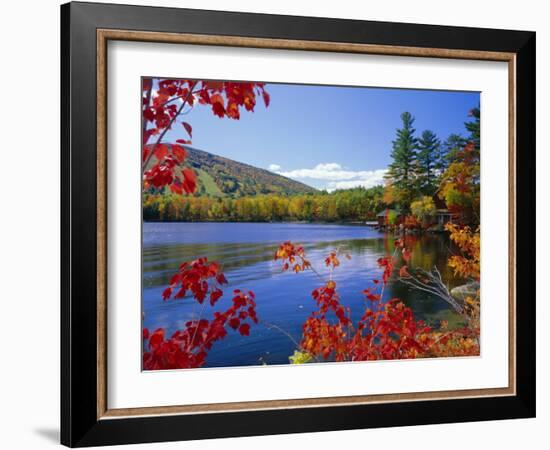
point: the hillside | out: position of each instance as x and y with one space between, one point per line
221 177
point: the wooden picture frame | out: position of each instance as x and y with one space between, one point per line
85 416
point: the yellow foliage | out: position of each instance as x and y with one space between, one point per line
300 357
423 208
389 195
466 265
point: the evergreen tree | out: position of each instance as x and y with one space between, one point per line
453 144
402 171
474 128
427 161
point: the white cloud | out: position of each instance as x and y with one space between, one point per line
376 178
274 167
329 167
337 177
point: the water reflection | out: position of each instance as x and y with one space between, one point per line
283 298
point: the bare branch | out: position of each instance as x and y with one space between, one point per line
434 285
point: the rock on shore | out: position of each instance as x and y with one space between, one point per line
465 290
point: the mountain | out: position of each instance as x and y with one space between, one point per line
220 177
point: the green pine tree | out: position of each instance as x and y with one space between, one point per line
452 145
402 171
474 128
427 161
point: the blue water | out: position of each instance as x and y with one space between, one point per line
245 251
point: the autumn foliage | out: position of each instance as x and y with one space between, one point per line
163 166
188 348
386 329
162 108
467 264
460 184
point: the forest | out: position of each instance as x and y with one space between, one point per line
348 205
424 174
423 177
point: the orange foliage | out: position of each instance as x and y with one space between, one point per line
386 330
466 265
292 256
460 184
411 223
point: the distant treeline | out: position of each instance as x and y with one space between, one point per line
358 204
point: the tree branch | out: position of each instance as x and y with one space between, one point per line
435 286
180 109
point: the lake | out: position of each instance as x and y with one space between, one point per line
246 250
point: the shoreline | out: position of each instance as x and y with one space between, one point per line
368 224
291 222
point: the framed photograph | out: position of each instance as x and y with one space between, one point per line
276 224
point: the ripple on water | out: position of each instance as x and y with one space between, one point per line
245 251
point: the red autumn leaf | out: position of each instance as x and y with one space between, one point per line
158 176
403 273
189 181
213 268
145 333
188 128
156 338
148 114
215 295
406 254
148 133
217 105
332 260
161 151
144 154
218 110
372 297
188 347
266 98
220 278
234 323
387 264
176 187
239 300
167 293
232 111
179 153
180 293
244 329
252 314
204 96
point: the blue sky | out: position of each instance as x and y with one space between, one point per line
326 136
